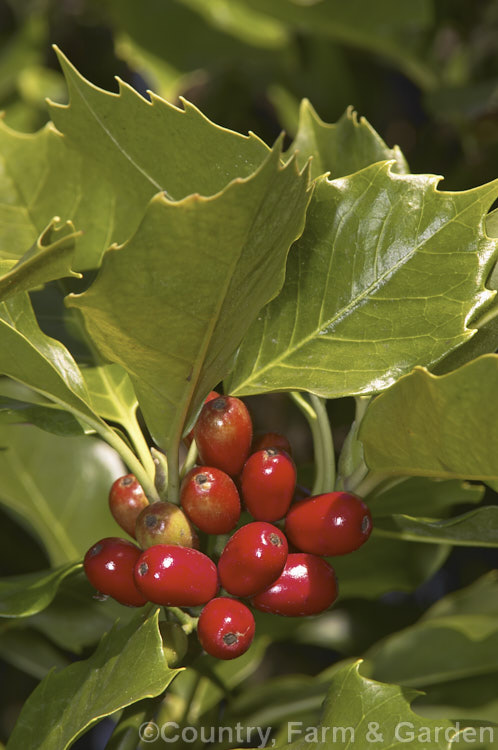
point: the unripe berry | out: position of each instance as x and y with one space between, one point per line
335 523
223 433
226 628
268 481
109 566
210 499
164 523
306 586
175 642
271 440
176 576
126 500
253 559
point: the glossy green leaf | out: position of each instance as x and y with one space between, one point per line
42 179
30 652
382 565
173 303
49 259
420 496
478 528
46 417
452 642
22 596
359 712
38 361
59 488
46 366
364 299
345 147
436 426
69 702
183 152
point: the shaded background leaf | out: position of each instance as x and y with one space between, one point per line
59 488
436 426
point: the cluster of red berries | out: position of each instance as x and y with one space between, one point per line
256 565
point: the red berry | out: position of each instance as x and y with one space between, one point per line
268 481
226 628
164 523
188 438
271 440
210 499
335 523
223 433
176 576
109 567
307 586
253 559
126 500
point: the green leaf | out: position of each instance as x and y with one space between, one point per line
45 365
364 299
69 702
46 417
182 153
436 426
382 565
479 528
43 178
446 644
22 596
420 496
342 148
173 303
76 619
110 392
359 713
49 259
381 27
30 652
59 487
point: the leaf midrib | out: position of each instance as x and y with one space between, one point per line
352 306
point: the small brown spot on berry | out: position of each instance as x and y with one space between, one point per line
151 521
96 549
143 569
229 639
126 481
275 540
365 524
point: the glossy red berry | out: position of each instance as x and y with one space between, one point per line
271 440
176 576
226 628
253 559
188 438
306 586
210 499
164 523
268 482
109 566
335 523
223 433
126 500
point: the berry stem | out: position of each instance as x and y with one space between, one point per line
140 444
161 472
323 444
326 443
187 622
173 495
